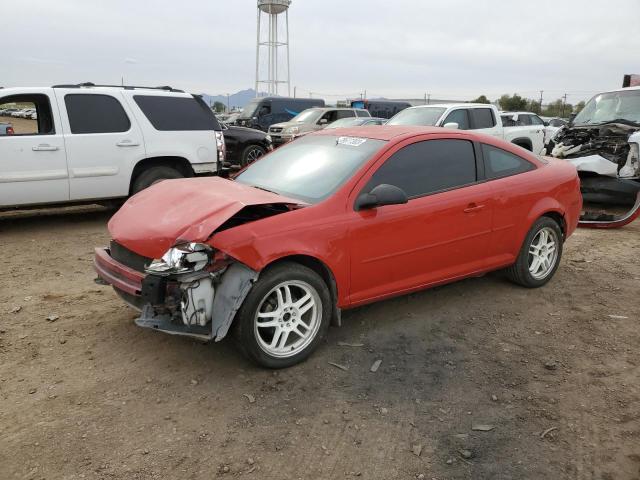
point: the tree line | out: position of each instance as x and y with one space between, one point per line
516 103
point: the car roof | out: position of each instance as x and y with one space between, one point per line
450 105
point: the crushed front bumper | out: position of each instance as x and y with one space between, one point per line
167 304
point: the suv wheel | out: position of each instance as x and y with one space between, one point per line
154 175
251 154
539 256
284 317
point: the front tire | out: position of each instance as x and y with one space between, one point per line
284 317
539 256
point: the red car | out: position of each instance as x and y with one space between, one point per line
334 220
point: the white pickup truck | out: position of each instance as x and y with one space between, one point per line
480 117
93 143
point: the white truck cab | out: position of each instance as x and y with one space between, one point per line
93 143
480 117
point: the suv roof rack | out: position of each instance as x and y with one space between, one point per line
166 88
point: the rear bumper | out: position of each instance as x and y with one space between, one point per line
116 274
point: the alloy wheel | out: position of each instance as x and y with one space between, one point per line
543 253
288 318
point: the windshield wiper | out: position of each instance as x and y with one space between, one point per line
264 189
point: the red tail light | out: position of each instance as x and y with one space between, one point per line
10 131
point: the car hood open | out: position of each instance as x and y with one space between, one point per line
184 210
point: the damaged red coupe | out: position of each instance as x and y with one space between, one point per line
334 220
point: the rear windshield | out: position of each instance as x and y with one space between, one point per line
173 114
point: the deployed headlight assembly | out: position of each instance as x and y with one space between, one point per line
183 258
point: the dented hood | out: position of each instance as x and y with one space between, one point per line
188 210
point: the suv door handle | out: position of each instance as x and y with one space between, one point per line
44 147
472 207
127 143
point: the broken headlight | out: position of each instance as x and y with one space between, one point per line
631 168
183 258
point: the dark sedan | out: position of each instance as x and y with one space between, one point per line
245 145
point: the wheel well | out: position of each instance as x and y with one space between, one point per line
559 219
524 143
321 269
178 163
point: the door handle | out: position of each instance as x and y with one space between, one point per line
44 147
127 143
472 207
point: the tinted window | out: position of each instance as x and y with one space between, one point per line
344 114
177 113
90 113
461 117
535 120
500 163
524 119
427 116
482 118
362 113
429 166
507 121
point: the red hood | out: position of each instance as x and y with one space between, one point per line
189 210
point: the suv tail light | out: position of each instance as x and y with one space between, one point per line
10 131
221 147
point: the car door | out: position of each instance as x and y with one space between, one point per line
459 116
103 141
540 136
441 233
33 162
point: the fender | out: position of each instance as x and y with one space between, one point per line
542 207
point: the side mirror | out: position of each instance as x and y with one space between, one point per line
323 121
383 194
451 125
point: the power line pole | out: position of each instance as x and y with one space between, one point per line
564 101
541 92
365 93
294 91
428 98
425 98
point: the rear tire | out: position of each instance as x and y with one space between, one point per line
296 304
539 256
154 175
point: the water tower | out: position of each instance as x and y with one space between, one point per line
272 75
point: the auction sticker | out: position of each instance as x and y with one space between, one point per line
351 141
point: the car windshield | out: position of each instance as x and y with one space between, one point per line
312 167
605 107
347 122
307 116
426 116
250 108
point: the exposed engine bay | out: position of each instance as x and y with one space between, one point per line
607 159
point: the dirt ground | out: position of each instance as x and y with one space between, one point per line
552 374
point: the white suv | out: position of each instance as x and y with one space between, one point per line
92 143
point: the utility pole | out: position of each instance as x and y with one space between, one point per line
425 98
564 101
294 91
428 98
541 92
228 103
365 94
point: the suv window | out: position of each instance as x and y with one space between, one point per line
482 118
427 167
174 114
461 117
90 113
27 114
500 163
362 113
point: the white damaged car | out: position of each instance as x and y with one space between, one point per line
603 142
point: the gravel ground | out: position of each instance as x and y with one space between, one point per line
478 379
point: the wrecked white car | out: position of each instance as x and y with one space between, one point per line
603 142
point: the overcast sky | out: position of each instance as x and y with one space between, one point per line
402 48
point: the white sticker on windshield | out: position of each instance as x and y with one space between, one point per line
351 141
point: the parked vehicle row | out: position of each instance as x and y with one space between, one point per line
19 113
94 143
